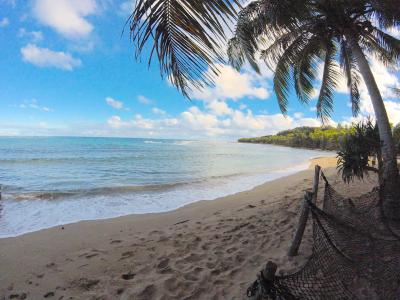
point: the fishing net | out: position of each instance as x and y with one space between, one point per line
355 255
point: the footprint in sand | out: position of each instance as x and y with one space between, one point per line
231 250
85 283
147 293
163 238
51 265
163 263
116 242
128 276
18 296
91 255
41 275
240 258
156 232
126 255
190 277
49 295
210 265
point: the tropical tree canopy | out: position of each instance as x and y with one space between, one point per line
294 36
186 36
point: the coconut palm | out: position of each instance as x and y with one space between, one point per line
292 37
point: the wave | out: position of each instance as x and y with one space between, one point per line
153 142
34 161
106 191
20 217
183 143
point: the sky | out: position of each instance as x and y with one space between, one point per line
68 69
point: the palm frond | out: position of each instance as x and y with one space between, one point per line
258 24
329 82
186 36
372 46
273 53
386 12
349 66
306 69
236 53
244 45
282 77
387 42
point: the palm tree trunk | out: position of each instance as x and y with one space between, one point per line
390 174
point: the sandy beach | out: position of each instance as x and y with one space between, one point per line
205 250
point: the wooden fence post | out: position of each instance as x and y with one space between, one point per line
301 226
269 271
316 184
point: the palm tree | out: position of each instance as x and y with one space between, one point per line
187 36
292 37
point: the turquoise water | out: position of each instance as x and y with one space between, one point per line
60 180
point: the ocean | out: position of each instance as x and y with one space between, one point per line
49 181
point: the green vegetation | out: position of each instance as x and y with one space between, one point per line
325 138
360 152
358 147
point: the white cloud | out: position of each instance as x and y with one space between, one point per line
242 106
44 57
386 80
232 85
115 122
215 121
194 123
298 115
393 110
67 17
114 103
4 22
219 108
126 8
34 104
144 100
35 36
158 111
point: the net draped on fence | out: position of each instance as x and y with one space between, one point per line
356 255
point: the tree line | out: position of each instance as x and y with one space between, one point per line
324 138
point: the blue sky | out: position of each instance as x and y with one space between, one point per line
67 70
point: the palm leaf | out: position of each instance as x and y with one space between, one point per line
282 77
186 36
386 12
329 83
349 65
306 68
387 42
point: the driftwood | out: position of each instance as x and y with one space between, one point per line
305 210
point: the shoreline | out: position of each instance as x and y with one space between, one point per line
248 182
204 250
